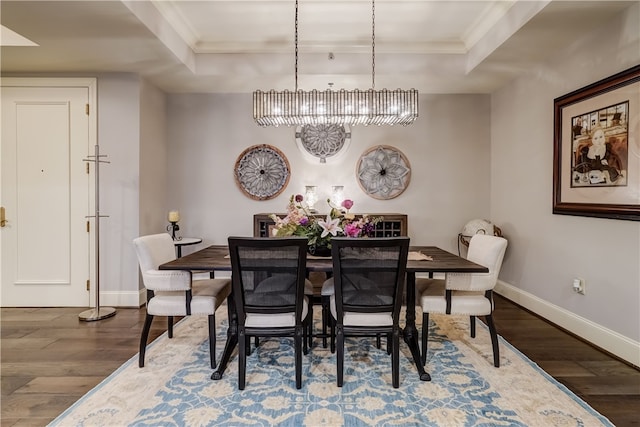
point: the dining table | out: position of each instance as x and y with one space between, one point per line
422 259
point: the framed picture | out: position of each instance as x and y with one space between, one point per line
596 156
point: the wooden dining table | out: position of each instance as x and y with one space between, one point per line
216 258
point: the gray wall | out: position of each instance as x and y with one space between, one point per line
119 138
153 159
547 251
448 148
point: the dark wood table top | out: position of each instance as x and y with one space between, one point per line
215 258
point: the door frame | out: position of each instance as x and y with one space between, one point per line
91 85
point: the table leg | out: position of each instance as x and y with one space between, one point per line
232 339
410 331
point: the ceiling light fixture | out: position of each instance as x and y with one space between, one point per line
343 107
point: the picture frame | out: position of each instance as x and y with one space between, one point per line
596 155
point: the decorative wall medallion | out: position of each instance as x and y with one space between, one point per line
383 172
323 141
262 172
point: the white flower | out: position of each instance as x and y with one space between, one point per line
330 226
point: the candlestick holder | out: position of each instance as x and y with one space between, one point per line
172 228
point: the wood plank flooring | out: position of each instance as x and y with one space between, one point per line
49 359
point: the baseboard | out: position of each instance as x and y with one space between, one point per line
608 340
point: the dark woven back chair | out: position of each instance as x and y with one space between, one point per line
268 277
369 276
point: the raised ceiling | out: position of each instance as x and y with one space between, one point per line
234 46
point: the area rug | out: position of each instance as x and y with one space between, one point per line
174 388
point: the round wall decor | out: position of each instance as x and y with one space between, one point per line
383 172
323 141
262 172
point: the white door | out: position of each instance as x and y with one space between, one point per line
47 192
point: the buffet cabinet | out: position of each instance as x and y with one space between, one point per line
391 225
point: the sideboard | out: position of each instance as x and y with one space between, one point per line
391 225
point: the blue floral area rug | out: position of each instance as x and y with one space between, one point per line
174 388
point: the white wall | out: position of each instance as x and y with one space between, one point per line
132 133
154 161
448 148
119 124
547 251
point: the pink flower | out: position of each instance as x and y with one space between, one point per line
352 230
347 204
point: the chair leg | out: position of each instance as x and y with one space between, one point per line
170 326
494 340
309 330
298 338
305 332
425 336
325 319
212 340
395 357
472 326
389 343
332 335
340 354
143 338
242 357
378 341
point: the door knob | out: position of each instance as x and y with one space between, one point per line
3 220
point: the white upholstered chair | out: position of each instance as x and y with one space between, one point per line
469 294
174 293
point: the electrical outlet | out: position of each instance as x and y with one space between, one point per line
579 285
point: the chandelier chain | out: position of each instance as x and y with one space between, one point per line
328 107
373 44
296 46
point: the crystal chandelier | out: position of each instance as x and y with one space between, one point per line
343 107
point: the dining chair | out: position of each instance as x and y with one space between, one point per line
268 279
175 293
368 277
328 289
469 294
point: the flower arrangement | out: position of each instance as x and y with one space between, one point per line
299 221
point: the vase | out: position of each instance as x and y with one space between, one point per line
321 250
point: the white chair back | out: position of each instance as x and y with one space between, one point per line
487 251
154 250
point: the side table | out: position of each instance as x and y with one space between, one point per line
185 241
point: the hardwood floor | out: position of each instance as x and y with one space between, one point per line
49 359
608 385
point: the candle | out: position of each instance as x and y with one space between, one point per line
174 216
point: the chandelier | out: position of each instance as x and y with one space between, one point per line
342 107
